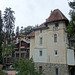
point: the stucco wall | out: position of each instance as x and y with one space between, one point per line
32 46
48 43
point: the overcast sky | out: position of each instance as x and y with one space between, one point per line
33 12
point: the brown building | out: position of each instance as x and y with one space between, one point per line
22 50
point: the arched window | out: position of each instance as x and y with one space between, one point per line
55 37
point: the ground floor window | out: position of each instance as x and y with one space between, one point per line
56 71
17 54
40 68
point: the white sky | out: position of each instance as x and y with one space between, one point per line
33 12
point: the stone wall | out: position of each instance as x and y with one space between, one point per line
49 69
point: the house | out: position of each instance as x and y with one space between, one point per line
22 49
49 46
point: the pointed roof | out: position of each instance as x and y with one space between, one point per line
56 15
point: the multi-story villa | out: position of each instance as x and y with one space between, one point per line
49 46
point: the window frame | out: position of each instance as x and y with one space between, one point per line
40 52
56 71
41 40
55 38
56 52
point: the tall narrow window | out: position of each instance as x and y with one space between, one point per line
56 71
40 52
55 37
40 68
41 41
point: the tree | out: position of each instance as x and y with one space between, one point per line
71 26
9 21
1 72
17 31
26 67
9 24
1 37
28 29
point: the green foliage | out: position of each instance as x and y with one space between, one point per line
26 67
1 72
1 37
17 31
28 29
9 21
71 26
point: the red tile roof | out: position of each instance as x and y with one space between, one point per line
56 15
32 34
42 25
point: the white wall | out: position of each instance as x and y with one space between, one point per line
70 57
37 57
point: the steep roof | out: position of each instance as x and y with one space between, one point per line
56 15
32 34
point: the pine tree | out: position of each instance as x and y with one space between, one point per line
1 37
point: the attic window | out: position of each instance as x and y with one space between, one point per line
56 25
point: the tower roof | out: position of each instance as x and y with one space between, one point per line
56 15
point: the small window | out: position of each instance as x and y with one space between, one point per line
17 54
55 37
56 53
56 25
41 41
22 55
40 31
41 53
56 71
40 68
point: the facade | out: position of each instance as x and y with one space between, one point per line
22 50
49 46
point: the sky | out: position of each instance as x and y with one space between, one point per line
33 12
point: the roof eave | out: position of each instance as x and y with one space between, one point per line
57 21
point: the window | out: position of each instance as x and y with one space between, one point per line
56 71
55 37
56 53
56 26
40 68
40 31
17 54
40 53
22 55
41 41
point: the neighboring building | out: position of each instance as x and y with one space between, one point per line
20 51
49 46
